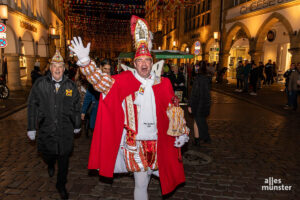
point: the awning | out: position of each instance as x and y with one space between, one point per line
171 54
160 54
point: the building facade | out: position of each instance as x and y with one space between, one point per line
261 30
31 25
186 26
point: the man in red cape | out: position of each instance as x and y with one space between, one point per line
130 134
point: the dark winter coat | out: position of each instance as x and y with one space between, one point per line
200 97
54 115
178 80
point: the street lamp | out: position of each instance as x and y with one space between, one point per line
216 36
52 30
187 50
3 13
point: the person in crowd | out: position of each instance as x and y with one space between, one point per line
254 74
199 105
239 77
166 71
260 75
294 86
211 70
177 79
46 70
269 72
54 112
195 72
131 131
287 75
82 85
92 96
274 74
36 72
246 70
72 70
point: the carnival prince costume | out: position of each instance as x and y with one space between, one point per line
136 118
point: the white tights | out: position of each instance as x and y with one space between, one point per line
141 180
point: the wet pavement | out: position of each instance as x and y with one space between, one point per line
249 144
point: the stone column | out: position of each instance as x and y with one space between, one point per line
223 61
295 47
43 62
30 60
13 72
205 56
256 56
295 54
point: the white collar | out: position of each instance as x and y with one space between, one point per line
56 80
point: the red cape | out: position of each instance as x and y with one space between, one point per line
109 127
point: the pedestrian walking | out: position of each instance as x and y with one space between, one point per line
246 71
131 130
269 72
260 75
54 115
287 75
294 86
199 105
36 72
239 77
254 74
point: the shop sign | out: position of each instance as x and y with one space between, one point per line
3 43
55 36
2 27
261 4
28 26
197 48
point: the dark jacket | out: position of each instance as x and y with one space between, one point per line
200 97
35 74
254 74
91 98
179 79
54 115
287 75
247 70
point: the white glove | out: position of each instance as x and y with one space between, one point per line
31 135
76 131
81 52
180 140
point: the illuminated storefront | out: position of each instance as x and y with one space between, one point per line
262 31
28 38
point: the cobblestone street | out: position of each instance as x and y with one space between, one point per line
249 144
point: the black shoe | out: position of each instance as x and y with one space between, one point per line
63 192
197 141
51 170
207 141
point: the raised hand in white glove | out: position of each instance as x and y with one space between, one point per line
81 52
76 131
180 140
31 135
